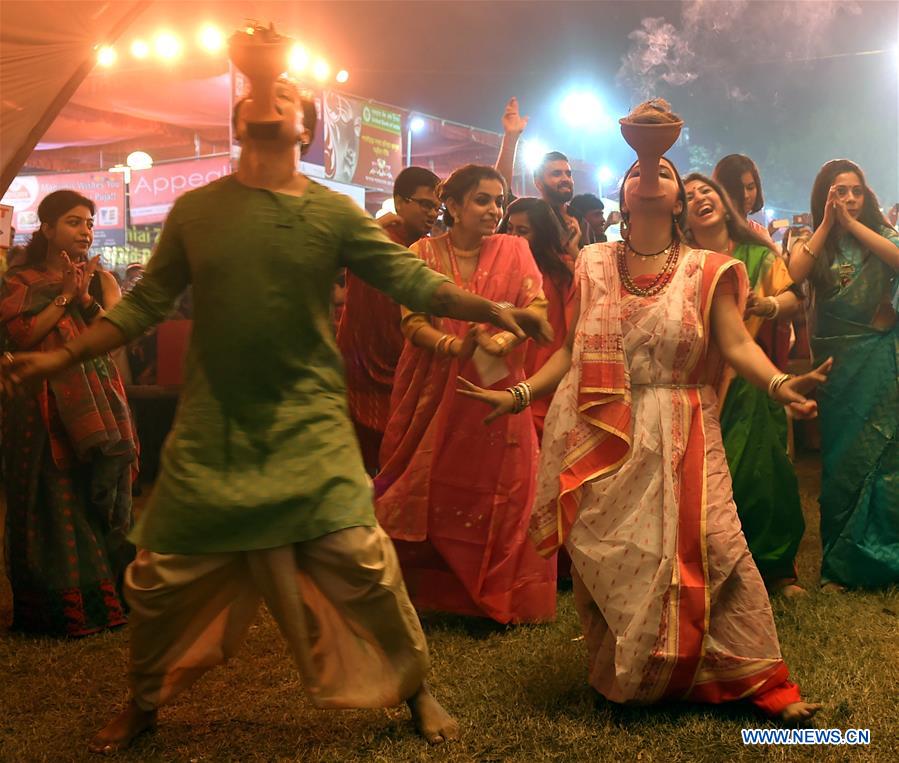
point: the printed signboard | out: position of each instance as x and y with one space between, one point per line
154 191
105 189
363 141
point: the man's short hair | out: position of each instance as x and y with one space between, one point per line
552 156
307 103
412 178
583 203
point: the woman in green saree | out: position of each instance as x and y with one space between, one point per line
852 263
753 426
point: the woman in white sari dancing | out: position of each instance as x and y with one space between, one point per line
633 476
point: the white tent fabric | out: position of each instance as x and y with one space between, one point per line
46 51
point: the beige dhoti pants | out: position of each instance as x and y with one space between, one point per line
339 600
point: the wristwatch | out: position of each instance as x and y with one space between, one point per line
62 301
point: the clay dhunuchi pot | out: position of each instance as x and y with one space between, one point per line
262 57
650 142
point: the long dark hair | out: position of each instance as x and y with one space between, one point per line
738 230
729 172
463 180
548 245
50 210
679 223
870 216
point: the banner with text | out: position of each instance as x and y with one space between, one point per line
105 189
153 191
363 141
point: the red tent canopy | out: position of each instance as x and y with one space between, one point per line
46 51
61 112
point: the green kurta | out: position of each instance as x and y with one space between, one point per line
262 452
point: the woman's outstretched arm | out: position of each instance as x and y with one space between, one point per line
542 383
748 359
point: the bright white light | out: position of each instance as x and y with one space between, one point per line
387 208
139 160
605 175
532 152
106 56
417 124
583 109
211 38
140 49
167 46
342 76
297 59
124 169
321 70
769 213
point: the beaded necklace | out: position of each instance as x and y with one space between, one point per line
661 280
665 250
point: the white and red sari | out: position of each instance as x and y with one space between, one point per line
633 474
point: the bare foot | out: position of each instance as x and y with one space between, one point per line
432 721
788 589
122 730
833 588
797 713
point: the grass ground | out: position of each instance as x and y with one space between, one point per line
519 693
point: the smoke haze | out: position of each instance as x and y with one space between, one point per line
719 37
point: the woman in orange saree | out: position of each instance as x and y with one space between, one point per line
633 476
456 497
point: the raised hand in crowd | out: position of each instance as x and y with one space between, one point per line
513 122
513 126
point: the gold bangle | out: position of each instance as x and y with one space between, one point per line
808 249
776 382
443 345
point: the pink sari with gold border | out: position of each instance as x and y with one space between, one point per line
633 474
456 495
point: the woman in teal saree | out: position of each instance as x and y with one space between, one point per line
852 262
753 426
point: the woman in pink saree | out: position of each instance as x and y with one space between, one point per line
455 496
633 476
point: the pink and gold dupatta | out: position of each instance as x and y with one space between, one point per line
424 397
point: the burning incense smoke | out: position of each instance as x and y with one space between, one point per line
718 37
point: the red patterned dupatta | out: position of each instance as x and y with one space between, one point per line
425 388
84 408
600 441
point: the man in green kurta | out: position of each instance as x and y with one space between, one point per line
262 491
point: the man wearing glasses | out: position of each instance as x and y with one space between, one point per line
369 333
